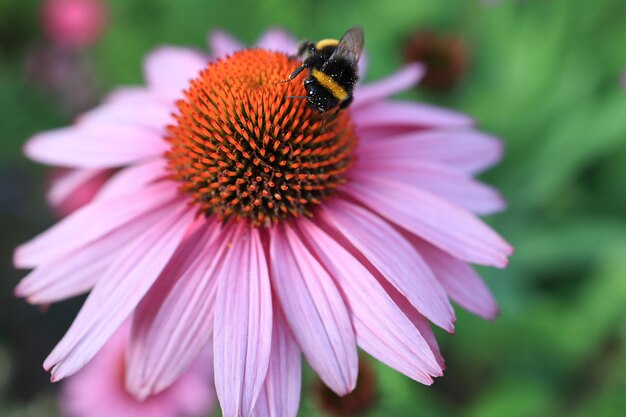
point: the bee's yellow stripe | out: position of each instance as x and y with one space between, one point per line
327 82
326 42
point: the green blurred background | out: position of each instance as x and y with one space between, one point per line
543 75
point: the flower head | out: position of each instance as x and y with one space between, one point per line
357 403
239 222
98 389
242 150
74 23
444 56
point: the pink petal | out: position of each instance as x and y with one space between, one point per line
402 80
394 257
280 396
402 113
460 280
102 147
465 150
222 44
79 270
243 323
169 69
445 225
70 183
133 179
445 182
62 280
314 310
174 321
420 322
142 108
278 40
118 291
129 94
90 223
382 330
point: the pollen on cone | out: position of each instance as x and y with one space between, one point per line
244 149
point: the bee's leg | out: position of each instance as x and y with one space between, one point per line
296 72
293 75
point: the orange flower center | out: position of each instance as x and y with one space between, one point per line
242 149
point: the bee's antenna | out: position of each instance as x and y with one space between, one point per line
323 120
295 97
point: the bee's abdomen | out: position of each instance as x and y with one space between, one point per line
342 72
330 84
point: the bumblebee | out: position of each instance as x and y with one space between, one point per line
332 69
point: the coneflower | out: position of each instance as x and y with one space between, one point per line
236 220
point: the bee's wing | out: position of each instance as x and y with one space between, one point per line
350 45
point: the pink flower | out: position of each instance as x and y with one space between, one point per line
74 23
98 389
251 228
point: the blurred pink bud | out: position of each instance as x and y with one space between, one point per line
99 389
74 23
